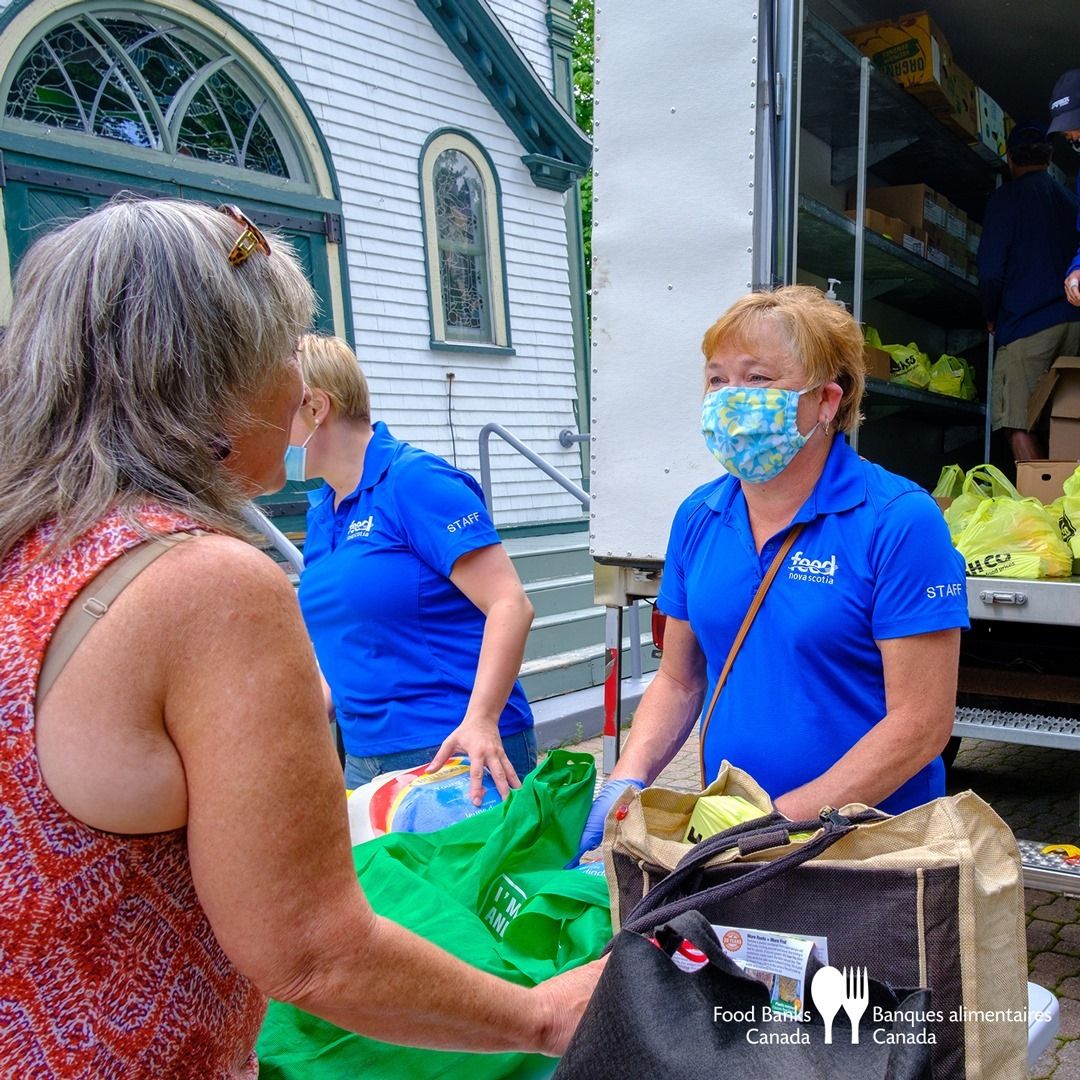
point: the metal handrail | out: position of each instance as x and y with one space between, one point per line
262 524
545 467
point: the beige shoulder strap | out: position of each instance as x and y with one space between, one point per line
751 612
94 600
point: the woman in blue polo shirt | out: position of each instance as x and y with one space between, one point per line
844 688
416 613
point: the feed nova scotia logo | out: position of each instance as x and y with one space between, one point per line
820 571
360 527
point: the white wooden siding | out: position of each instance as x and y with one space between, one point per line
526 22
379 81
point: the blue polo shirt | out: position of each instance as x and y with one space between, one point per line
1029 236
397 641
874 561
1075 264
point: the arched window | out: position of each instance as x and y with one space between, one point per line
152 82
463 245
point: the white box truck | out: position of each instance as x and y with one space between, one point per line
731 137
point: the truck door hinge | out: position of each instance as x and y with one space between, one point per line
778 92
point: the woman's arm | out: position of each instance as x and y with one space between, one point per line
669 707
487 577
920 698
268 834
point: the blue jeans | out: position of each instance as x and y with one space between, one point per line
520 749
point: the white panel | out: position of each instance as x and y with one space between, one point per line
673 187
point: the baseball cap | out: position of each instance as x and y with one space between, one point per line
1065 104
1029 133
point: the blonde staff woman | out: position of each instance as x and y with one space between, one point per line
417 614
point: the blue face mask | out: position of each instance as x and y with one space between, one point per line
751 430
296 459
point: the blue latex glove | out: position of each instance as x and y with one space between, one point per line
605 799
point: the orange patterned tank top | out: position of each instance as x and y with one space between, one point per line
108 966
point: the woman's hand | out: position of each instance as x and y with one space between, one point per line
563 999
480 742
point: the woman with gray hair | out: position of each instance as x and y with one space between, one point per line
174 843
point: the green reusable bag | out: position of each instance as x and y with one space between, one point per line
492 890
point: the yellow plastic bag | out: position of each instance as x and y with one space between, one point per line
1014 538
910 366
1066 512
950 483
967 385
981 482
947 375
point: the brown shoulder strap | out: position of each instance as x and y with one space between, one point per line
94 600
751 612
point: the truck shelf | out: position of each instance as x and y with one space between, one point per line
1029 729
881 393
891 274
907 143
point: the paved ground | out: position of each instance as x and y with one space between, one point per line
1036 792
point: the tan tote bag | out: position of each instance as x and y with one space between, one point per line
929 898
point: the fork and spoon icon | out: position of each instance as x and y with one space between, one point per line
833 989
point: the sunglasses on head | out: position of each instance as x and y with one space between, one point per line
251 239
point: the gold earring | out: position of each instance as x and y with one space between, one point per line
827 428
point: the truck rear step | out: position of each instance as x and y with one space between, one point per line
1031 729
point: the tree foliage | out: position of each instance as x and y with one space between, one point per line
582 12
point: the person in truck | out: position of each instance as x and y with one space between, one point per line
1065 120
844 687
1029 236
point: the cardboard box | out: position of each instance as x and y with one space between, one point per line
915 204
892 228
1060 386
943 501
990 144
1042 480
912 49
937 256
954 102
1065 438
878 362
915 242
956 224
915 53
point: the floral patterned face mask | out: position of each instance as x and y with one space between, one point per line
751 430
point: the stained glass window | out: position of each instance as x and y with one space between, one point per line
459 216
151 83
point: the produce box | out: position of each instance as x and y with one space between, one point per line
916 204
959 110
915 53
1042 480
892 228
991 142
912 50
